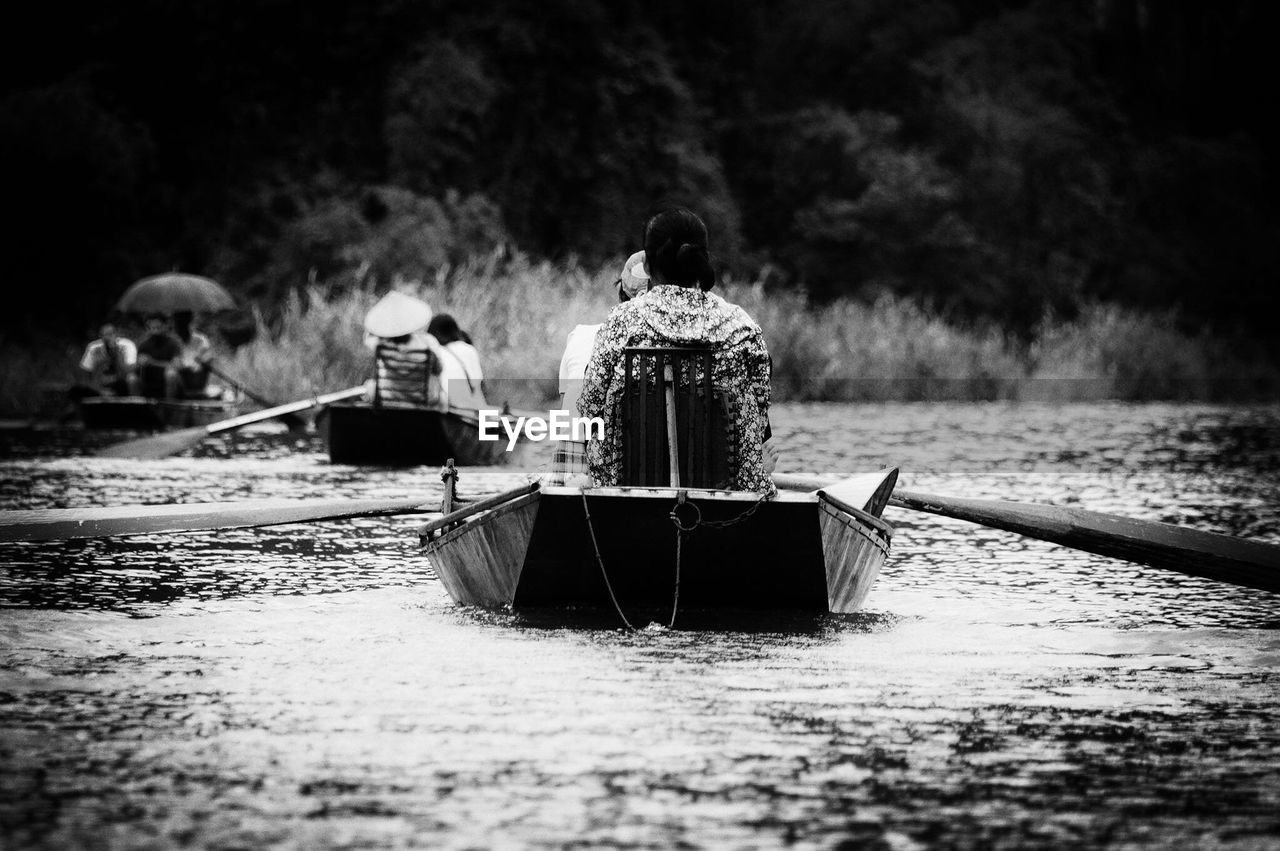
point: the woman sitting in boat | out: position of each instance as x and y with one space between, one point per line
569 462
461 372
677 311
407 360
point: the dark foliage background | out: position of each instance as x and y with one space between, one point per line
999 158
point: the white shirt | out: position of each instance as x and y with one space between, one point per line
573 364
196 351
460 371
96 357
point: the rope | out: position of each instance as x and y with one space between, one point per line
682 529
675 597
600 561
733 521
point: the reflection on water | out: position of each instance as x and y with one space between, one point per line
312 685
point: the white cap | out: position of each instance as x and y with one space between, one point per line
634 280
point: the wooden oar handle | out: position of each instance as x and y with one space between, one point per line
56 524
281 410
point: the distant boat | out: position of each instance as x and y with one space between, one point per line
143 413
362 433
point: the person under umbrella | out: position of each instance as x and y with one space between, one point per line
108 366
195 358
159 358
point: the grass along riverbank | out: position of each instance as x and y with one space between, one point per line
893 349
519 314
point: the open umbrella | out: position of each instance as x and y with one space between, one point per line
174 292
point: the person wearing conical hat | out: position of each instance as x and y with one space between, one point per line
406 358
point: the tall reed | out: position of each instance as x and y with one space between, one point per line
519 313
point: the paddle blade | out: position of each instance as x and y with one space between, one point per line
867 492
1191 551
173 442
156 446
56 524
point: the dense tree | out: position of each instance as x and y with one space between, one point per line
1000 158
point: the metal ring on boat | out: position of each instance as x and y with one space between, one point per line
697 516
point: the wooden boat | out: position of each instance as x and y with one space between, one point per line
617 547
361 433
143 413
655 545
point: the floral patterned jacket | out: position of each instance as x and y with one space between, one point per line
678 316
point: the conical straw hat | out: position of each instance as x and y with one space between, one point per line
397 314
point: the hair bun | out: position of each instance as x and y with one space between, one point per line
695 265
688 251
675 244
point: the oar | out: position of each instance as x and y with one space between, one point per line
472 415
1191 551
56 524
173 442
292 420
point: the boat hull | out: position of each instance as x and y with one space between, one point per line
359 433
145 414
797 552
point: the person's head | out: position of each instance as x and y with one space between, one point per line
157 323
634 280
445 329
675 250
107 331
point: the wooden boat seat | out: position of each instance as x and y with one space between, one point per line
193 383
152 382
705 416
406 377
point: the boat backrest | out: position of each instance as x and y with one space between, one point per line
406 377
705 419
152 382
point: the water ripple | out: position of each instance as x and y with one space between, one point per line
313 686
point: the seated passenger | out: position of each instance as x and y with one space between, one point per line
108 366
461 374
407 374
677 311
194 360
407 364
159 356
569 463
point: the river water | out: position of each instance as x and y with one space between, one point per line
312 686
